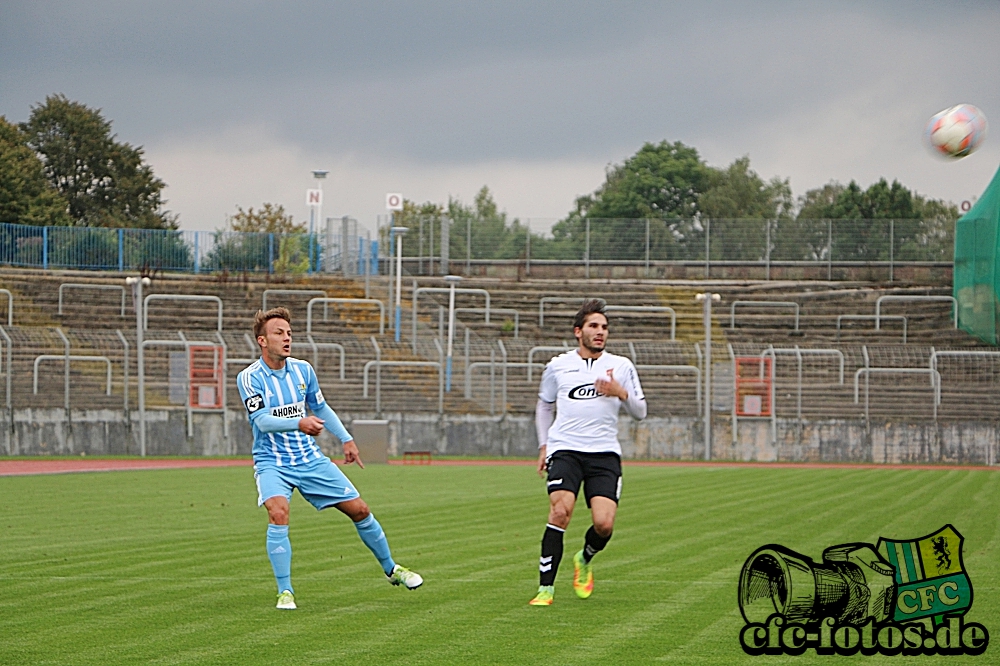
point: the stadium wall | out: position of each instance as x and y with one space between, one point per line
40 432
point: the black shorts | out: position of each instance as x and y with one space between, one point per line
600 473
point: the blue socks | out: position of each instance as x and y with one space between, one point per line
279 551
372 535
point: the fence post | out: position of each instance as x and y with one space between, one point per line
270 252
121 250
892 245
444 240
708 246
829 250
468 245
767 249
527 248
45 248
586 255
647 247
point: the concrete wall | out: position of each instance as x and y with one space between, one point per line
105 432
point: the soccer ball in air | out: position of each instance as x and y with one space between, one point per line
957 131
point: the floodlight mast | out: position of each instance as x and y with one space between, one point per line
397 233
137 283
316 211
452 281
707 298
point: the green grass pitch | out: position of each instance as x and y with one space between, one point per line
168 567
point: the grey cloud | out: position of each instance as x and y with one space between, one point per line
452 82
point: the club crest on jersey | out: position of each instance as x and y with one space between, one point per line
583 392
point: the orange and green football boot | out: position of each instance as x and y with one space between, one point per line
583 576
544 596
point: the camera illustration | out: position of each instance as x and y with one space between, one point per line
851 584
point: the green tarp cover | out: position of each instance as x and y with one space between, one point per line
976 285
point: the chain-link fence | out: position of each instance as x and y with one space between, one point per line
343 246
696 247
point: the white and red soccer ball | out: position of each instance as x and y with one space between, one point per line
956 132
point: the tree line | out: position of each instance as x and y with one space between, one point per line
65 167
670 189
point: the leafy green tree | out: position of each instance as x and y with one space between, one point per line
740 203
661 182
493 235
105 182
921 229
265 239
25 194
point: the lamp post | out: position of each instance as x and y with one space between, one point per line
316 211
707 299
137 284
397 233
452 280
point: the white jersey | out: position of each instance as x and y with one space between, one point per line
585 421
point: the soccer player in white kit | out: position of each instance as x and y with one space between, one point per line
576 419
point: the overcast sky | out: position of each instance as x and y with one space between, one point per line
236 102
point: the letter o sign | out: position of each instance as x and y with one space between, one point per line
966 206
394 202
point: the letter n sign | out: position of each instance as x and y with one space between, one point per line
314 197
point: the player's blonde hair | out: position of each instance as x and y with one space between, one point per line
261 318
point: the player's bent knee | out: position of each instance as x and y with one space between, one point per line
355 509
604 528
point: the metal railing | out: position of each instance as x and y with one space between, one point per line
763 304
179 297
99 248
378 364
71 357
554 299
877 318
443 290
288 292
908 298
354 301
798 353
867 372
644 248
543 348
513 311
651 309
10 306
9 344
83 285
316 346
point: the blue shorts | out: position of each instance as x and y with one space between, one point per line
320 482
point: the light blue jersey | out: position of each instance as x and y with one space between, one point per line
285 394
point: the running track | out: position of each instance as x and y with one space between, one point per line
22 467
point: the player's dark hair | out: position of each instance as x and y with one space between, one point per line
589 307
261 318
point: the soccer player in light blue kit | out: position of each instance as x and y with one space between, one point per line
276 389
